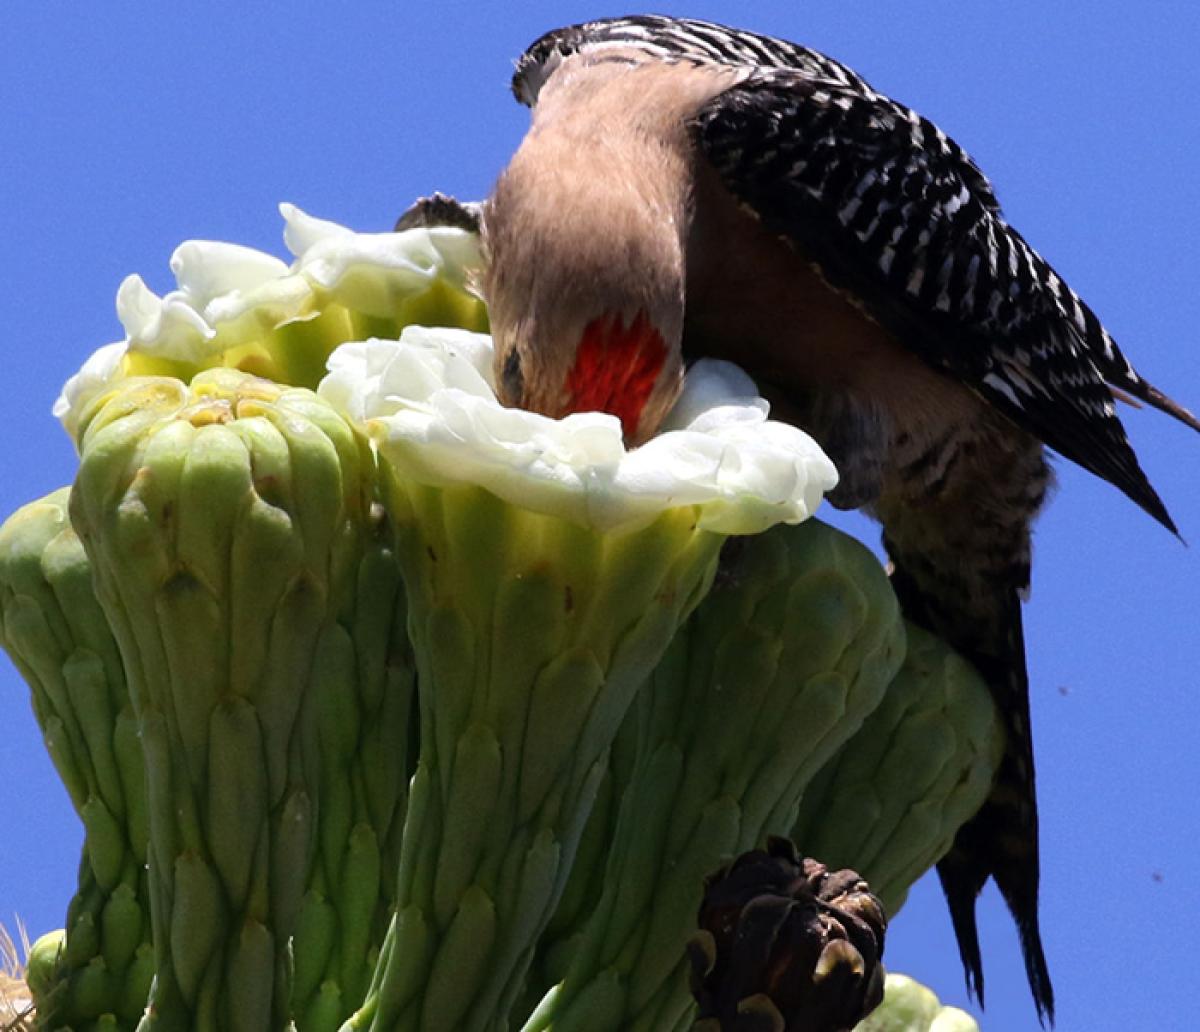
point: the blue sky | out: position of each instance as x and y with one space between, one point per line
131 128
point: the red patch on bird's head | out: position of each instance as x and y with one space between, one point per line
616 367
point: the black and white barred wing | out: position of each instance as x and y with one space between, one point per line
654 37
897 216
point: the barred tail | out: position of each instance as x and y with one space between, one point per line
958 530
1001 841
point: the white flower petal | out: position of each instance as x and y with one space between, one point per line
472 348
303 231
260 309
237 292
428 401
354 377
169 326
205 269
138 307
373 272
101 368
709 382
231 297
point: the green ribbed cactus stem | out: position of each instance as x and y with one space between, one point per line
366 703
56 632
532 635
780 664
560 940
225 521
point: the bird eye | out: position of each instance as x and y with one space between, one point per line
512 382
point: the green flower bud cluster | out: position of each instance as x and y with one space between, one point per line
225 523
236 308
780 664
269 623
922 765
57 634
364 677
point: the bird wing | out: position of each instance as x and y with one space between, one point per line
657 37
897 216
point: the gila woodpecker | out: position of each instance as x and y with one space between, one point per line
687 190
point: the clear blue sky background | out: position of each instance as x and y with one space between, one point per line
126 128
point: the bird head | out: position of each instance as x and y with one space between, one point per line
585 322
612 362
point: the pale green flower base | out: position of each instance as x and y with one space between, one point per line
532 635
779 665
